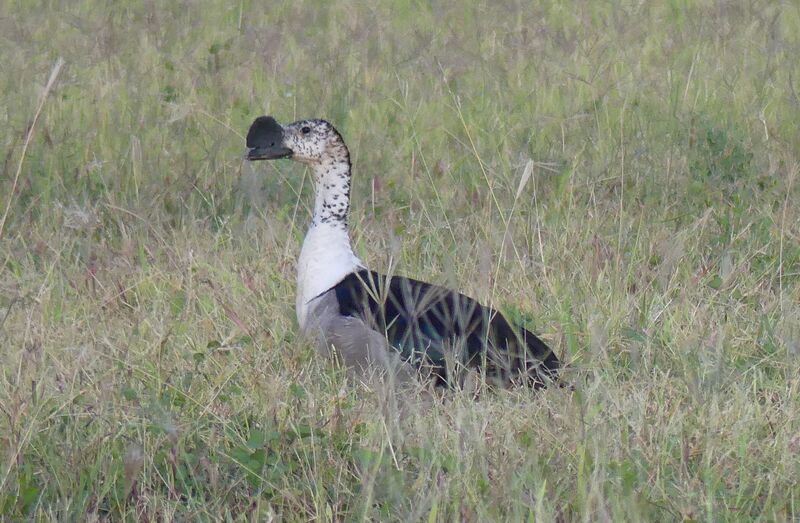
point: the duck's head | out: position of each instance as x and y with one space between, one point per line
306 141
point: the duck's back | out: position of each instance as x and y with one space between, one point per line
440 330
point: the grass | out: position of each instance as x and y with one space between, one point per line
151 365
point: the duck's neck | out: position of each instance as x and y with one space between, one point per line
332 200
327 256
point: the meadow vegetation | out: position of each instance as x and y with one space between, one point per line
620 177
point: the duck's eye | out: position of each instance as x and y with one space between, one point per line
305 130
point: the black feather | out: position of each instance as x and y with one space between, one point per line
442 330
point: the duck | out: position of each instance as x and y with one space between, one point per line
400 327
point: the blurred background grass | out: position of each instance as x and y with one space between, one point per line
151 365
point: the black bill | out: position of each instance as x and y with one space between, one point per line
265 140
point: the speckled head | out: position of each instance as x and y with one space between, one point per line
307 141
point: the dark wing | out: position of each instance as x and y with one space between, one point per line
441 329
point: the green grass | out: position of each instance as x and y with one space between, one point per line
151 364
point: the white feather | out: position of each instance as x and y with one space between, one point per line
325 259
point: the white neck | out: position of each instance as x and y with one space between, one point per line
327 256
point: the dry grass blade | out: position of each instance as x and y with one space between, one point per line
526 175
50 81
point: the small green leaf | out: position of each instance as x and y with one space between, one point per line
240 455
29 494
303 431
129 393
178 302
297 390
632 334
257 459
256 440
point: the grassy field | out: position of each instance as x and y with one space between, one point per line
624 180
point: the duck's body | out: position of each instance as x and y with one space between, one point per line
399 325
